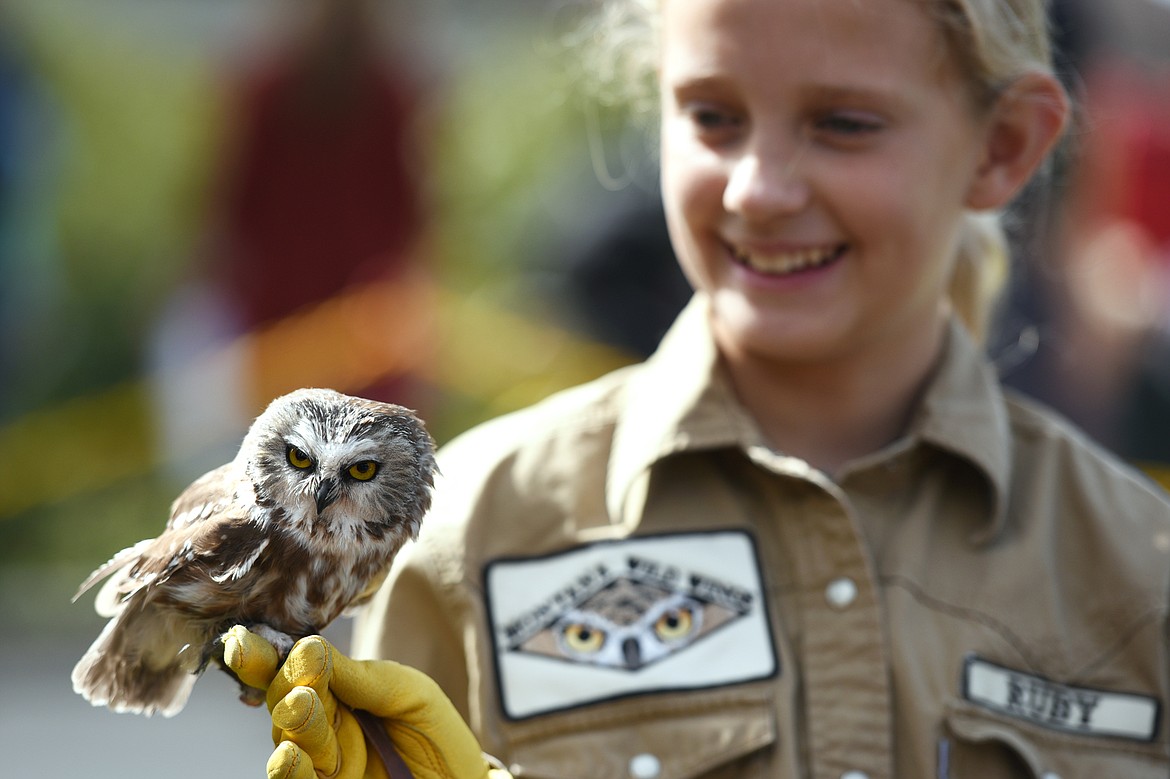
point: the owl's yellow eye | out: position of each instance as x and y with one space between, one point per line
363 471
583 638
298 459
674 624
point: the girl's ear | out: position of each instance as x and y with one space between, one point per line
1025 123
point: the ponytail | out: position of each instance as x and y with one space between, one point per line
980 272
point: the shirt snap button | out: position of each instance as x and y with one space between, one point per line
841 593
645 766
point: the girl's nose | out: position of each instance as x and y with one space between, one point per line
765 184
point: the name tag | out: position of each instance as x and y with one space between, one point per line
1058 706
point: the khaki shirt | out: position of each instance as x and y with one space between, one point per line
624 580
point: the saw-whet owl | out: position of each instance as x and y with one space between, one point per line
302 524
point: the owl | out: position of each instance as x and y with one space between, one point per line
300 526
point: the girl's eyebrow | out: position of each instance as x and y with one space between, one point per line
862 95
696 81
851 92
830 91
698 87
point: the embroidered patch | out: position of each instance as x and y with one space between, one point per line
1058 706
628 617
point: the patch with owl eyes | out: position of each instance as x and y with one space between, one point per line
630 622
621 618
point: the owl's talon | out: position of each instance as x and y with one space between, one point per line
251 696
281 642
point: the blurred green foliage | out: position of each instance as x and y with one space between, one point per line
138 124
135 126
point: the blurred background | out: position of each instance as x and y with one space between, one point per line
207 203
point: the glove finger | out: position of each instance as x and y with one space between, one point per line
309 664
250 657
385 688
356 762
426 728
301 719
288 761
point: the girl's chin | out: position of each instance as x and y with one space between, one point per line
745 330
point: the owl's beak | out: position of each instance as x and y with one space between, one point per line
327 492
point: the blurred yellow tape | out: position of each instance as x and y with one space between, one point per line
1159 472
452 341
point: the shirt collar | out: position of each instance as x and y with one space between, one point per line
964 413
682 400
678 401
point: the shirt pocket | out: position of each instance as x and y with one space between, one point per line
980 744
673 738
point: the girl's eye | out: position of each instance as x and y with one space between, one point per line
298 459
712 123
846 125
710 118
363 471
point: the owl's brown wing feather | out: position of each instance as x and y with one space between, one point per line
207 543
205 497
120 560
166 612
195 516
232 569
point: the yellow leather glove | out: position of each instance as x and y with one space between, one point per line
312 698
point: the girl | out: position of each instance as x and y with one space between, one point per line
810 536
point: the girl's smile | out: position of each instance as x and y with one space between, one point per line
785 262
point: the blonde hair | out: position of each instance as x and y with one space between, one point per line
994 42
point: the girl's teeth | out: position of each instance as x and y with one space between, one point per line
786 262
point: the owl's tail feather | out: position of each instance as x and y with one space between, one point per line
131 676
